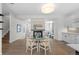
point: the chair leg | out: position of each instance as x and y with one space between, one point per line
26 48
31 51
39 49
45 51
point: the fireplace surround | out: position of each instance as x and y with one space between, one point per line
38 33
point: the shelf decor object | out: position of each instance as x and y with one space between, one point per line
1 21
1 28
1 15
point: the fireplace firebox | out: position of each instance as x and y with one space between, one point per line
38 34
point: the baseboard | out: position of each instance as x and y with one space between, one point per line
11 41
58 40
5 33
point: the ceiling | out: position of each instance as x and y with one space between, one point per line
24 10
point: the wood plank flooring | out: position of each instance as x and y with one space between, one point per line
5 43
18 48
60 48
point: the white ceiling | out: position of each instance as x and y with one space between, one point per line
24 10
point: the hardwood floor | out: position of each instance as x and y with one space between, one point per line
15 48
60 48
5 43
18 48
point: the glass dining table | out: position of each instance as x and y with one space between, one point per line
38 41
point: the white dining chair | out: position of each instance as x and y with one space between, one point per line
31 44
45 45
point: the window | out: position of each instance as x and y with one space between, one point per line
18 27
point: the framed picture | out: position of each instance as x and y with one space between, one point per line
18 27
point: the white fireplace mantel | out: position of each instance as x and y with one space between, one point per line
37 29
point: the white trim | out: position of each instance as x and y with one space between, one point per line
11 41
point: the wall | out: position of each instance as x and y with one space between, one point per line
5 24
59 27
14 35
63 21
10 23
38 21
0 30
5 19
55 29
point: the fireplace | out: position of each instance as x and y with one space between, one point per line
38 33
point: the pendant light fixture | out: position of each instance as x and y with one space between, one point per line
48 8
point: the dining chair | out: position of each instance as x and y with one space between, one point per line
45 45
31 44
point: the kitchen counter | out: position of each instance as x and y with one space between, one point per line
71 32
70 37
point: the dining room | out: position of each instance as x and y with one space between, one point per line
38 28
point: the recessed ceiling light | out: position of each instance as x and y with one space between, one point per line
48 8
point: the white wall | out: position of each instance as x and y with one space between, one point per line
14 35
0 30
38 21
59 27
5 25
63 21
5 19
55 29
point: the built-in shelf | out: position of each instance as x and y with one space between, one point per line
1 15
1 21
1 28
